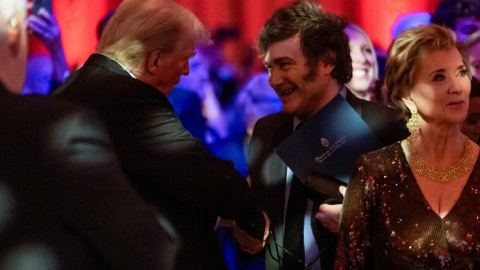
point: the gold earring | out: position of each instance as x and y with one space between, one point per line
412 123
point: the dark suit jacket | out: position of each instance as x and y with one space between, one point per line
63 195
174 170
268 171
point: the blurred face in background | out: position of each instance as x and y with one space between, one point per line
474 55
23 54
471 126
465 27
363 62
14 51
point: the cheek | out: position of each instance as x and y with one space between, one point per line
467 86
370 59
422 96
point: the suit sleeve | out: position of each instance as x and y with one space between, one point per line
388 124
97 202
354 242
157 151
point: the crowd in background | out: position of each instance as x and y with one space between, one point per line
221 99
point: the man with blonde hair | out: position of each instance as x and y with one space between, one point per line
64 202
142 53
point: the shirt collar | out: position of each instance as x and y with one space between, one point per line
128 71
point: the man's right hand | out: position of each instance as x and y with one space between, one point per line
246 242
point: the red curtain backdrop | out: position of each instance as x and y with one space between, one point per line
78 19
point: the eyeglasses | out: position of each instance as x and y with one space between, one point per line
279 259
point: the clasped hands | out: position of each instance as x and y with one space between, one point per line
328 215
246 242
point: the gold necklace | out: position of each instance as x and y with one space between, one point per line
445 175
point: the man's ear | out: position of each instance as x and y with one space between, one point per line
328 68
327 64
153 61
14 34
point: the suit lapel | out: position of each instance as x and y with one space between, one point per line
284 130
277 184
354 102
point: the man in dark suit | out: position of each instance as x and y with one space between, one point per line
142 53
307 56
64 202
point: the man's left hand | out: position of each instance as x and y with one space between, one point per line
329 214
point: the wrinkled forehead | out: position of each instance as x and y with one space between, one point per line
287 48
435 60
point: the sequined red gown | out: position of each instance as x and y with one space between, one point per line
387 223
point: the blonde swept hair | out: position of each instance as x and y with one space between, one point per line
140 27
405 53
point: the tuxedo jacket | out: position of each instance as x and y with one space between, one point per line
63 195
171 168
268 171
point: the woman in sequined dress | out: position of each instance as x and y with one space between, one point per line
416 204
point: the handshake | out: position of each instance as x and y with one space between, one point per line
248 243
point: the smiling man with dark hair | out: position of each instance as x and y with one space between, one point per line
308 60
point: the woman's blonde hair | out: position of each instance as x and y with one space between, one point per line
405 53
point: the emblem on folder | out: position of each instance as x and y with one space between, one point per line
325 142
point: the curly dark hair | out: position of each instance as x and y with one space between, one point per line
321 35
448 11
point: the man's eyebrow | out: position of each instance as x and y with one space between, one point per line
277 61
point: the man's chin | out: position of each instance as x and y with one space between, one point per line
290 111
166 91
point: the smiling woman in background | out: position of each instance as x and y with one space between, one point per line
415 204
364 62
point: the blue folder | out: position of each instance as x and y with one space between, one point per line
328 143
